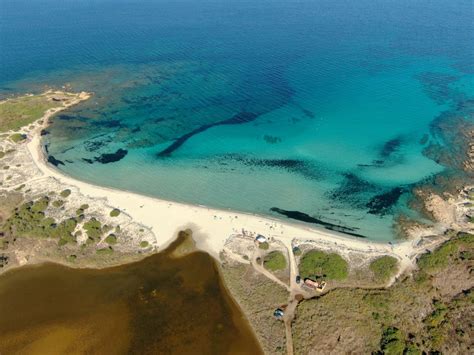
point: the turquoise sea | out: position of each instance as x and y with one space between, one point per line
328 112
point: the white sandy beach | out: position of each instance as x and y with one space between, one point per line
212 227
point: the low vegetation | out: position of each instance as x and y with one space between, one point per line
258 296
115 212
65 193
441 257
21 111
316 264
105 251
384 268
111 239
264 246
93 228
392 341
17 137
29 220
274 261
144 244
429 312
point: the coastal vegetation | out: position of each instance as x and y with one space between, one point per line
274 261
258 296
384 267
264 246
316 264
115 212
17 137
21 111
448 253
65 193
111 239
428 312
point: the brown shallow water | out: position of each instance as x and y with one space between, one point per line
161 304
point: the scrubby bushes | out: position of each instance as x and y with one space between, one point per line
384 267
111 239
392 342
317 264
29 220
447 252
143 244
17 137
274 261
264 246
65 193
93 228
115 212
58 203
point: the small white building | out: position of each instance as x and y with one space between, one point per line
261 239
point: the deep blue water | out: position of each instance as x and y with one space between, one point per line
327 108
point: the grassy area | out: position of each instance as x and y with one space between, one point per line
384 267
274 261
264 246
21 111
317 264
430 312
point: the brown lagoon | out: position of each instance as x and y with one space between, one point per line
166 303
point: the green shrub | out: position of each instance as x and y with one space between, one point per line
64 231
65 193
437 316
274 261
115 212
317 264
93 228
143 244
111 239
84 207
58 203
17 137
71 258
29 220
392 342
40 205
384 267
2 154
264 246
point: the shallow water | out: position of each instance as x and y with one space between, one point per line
322 108
162 304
